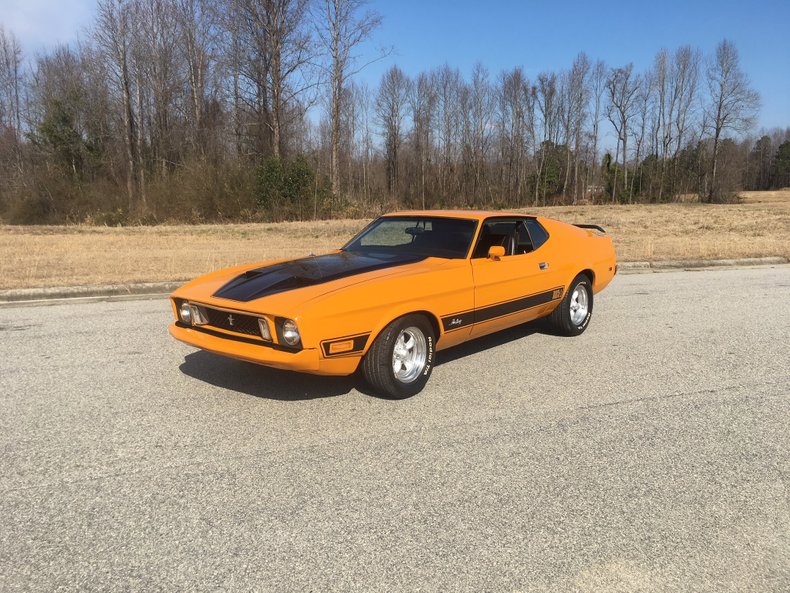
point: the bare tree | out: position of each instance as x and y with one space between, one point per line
547 103
10 107
685 73
364 141
280 52
598 87
342 28
448 84
159 83
732 104
577 95
622 86
114 37
480 108
10 82
423 107
197 41
391 106
674 89
641 118
515 123
659 80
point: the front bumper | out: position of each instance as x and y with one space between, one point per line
307 360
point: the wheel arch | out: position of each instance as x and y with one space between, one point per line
590 276
585 272
393 316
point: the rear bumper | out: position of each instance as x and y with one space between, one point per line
308 360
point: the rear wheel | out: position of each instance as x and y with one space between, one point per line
572 315
400 361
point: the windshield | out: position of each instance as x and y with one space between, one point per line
427 236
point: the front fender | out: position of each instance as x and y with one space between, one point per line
369 307
401 311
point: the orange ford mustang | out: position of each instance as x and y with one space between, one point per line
407 286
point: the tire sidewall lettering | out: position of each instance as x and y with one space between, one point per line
586 320
429 361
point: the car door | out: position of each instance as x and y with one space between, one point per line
518 287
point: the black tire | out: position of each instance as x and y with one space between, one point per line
379 361
562 318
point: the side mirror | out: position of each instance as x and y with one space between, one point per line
496 252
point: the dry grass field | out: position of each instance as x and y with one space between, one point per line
76 255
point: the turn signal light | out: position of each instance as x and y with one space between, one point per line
266 333
338 347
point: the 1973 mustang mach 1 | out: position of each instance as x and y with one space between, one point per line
407 286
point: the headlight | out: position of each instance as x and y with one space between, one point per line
191 314
290 333
185 313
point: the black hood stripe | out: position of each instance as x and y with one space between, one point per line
308 271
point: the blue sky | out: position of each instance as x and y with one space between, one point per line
539 35
546 35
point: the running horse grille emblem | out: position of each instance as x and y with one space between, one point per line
230 320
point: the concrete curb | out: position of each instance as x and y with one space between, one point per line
688 264
21 295
75 292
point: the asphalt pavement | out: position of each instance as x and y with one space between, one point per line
648 454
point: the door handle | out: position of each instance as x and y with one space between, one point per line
543 265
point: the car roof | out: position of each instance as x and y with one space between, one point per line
468 214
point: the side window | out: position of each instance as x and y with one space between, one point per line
524 242
495 233
537 233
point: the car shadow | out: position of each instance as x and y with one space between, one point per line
260 381
499 338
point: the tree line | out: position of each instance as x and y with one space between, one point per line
204 110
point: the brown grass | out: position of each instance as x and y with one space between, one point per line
75 255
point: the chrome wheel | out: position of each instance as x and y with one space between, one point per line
579 305
409 355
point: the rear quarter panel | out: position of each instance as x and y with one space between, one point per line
576 250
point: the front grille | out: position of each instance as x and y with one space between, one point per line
235 322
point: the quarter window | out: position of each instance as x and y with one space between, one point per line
524 240
536 232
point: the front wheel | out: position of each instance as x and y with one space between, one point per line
572 315
400 361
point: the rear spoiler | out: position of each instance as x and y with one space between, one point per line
593 227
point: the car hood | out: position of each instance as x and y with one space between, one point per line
289 275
